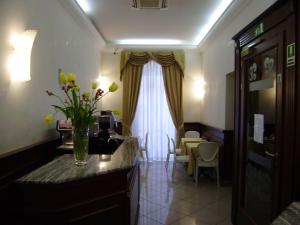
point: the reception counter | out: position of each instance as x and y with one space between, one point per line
105 191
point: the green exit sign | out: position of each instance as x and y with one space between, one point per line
290 53
259 29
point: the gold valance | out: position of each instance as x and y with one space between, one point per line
166 58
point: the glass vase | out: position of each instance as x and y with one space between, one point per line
80 145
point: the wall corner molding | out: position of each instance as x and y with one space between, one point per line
83 21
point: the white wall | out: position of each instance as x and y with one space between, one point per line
190 96
218 60
110 69
60 43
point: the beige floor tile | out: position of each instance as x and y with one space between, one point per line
165 216
143 220
185 207
179 201
211 215
189 221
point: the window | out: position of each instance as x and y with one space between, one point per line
152 113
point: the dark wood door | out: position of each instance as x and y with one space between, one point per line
265 116
261 123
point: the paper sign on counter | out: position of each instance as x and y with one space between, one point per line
259 128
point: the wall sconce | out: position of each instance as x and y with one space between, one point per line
103 83
201 88
19 62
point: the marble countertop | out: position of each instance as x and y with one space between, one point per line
290 216
63 169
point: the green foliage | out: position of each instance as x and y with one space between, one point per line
80 109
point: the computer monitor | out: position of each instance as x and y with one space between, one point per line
107 120
64 125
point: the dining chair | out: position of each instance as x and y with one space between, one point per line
192 134
144 147
206 155
171 151
178 158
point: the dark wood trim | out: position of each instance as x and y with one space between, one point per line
288 137
279 20
275 37
19 162
228 155
236 159
192 126
270 17
296 191
211 132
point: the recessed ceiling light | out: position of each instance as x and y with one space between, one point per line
84 5
212 20
149 42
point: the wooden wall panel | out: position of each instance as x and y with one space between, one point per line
225 140
192 126
296 192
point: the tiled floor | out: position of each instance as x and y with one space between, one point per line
179 201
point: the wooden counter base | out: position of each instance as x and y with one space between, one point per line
107 199
102 192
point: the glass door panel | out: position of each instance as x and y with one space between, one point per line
261 70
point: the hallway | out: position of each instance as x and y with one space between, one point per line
181 202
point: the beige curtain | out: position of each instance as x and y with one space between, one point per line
131 72
132 75
173 88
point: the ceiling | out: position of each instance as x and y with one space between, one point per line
180 24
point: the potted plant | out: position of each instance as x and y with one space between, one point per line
80 108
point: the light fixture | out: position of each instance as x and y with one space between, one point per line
212 20
19 62
84 5
149 42
103 82
200 88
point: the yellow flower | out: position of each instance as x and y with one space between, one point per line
117 112
62 78
113 87
48 119
86 96
75 87
71 77
94 85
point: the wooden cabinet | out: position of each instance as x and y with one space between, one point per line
265 116
111 198
104 191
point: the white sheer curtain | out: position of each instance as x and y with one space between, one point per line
152 113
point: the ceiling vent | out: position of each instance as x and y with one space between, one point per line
149 4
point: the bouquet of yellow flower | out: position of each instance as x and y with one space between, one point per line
79 108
